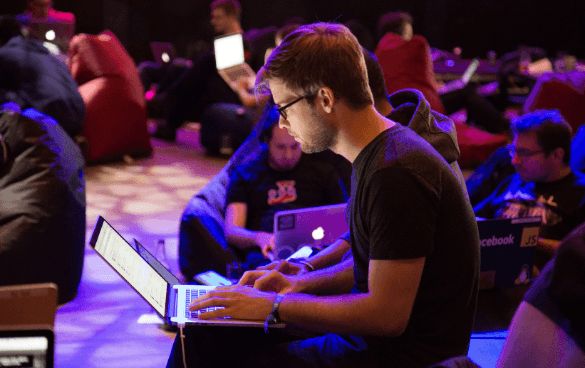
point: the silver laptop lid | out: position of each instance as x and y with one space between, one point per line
126 261
229 51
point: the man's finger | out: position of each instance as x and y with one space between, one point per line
250 277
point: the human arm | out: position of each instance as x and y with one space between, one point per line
327 257
384 310
240 237
242 88
549 246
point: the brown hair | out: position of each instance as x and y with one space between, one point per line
393 22
230 7
320 55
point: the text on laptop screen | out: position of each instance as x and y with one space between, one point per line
143 278
229 51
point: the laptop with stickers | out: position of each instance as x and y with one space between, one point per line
169 299
312 226
507 251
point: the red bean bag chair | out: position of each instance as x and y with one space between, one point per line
115 123
476 145
561 91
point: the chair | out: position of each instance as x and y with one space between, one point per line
115 122
561 91
42 191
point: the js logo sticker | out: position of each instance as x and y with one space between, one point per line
529 237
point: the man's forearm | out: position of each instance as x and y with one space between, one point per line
333 280
240 237
330 256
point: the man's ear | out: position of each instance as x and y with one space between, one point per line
327 99
558 153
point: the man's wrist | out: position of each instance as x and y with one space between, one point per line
274 318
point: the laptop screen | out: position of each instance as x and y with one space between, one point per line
27 348
229 51
58 33
128 263
159 267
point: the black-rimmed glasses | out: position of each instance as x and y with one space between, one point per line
281 110
522 152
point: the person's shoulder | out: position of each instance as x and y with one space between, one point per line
419 39
60 16
254 164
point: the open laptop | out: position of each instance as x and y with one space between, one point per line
51 32
312 226
507 251
230 58
463 81
168 299
27 347
163 52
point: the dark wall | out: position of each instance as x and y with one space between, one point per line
475 26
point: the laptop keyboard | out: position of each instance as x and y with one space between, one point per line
236 73
193 294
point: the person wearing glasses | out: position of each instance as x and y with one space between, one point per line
408 297
280 178
544 184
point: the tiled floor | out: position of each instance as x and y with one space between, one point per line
144 199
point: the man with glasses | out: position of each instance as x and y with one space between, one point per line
409 297
543 185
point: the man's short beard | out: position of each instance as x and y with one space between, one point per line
322 137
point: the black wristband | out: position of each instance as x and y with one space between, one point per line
273 318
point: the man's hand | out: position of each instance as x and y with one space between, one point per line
285 267
270 281
239 302
266 243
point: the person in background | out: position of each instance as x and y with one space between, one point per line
406 61
43 9
281 178
543 184
201 86
32 77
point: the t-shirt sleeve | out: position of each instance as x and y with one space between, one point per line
402 209
236 192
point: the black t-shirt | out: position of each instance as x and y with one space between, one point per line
407 203
559 290
266 191
560 203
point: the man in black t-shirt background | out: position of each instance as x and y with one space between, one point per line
281 178
544 184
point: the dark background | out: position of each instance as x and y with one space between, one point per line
475 26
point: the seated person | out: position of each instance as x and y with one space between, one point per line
201 86
548 329
31 76
44 9
407 107
281 178
410 298
406 61
544 184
